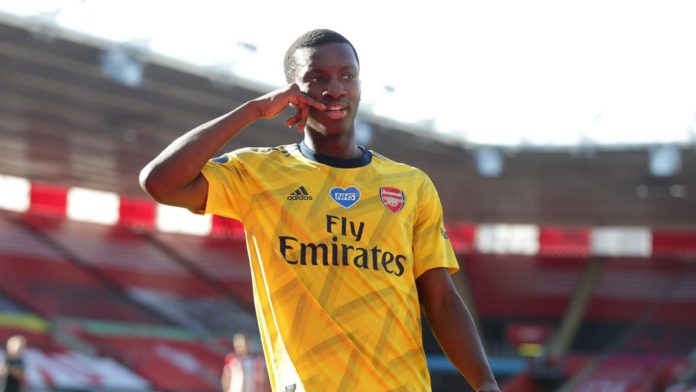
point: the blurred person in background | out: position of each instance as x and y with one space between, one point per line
12 371
244 371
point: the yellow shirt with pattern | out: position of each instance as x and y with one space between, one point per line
335 250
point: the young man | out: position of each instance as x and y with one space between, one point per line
243 370
12 371
344 244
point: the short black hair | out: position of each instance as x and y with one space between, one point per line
312 39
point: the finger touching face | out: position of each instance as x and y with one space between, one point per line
329 74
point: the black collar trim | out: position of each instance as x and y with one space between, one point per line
343 163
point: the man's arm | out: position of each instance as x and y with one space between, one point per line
12 368
174 176
17 372
225 379
454 329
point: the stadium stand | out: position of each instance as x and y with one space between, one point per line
7 306
640 305
527 302
41 279
532 287
38 339
222 260
169 364
621 372
148 275
560 307
53 366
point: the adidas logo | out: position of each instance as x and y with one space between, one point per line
300 194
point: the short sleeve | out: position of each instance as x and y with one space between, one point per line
228 190
431 246
229 358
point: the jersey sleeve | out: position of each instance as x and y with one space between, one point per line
431 246
228 188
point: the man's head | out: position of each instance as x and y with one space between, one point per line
241 344
325 66
312 39
15 345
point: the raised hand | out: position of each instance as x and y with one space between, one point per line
273 103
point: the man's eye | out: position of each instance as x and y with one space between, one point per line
350 76
315 79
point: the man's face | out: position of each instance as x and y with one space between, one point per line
15 346
330 74
241 345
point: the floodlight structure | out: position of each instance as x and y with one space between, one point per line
489 161
363 132
123 65
665 161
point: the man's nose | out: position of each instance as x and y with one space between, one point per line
334 89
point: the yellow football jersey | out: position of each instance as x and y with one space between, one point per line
335 246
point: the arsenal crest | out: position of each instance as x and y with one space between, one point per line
392 198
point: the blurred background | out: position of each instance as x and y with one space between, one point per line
561 139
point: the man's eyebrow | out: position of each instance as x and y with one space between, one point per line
323 70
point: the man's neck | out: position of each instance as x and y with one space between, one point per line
342 146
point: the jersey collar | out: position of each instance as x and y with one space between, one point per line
343 163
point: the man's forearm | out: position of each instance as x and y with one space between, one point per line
455 331
16 372
183 159
225 380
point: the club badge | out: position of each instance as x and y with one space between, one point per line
392 198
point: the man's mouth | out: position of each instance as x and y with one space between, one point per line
336 112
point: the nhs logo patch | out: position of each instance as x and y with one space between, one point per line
346 197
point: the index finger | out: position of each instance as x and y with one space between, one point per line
307 100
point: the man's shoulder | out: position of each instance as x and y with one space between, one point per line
277 151
17 361
392 165
247 154
229 358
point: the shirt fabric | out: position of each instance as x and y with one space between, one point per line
12 383
247 373
335 247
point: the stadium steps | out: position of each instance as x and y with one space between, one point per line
50 353
45 282
523 382
63 332
559 343
462 284
622 370
8 305
151 277
30 326
585 373
527 382
172 359
20 304
104 279
656 297
534 291
623 373
533 287
196 271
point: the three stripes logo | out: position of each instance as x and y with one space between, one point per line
300 194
